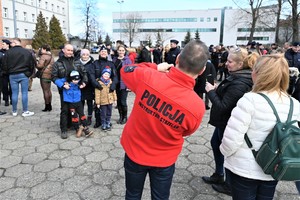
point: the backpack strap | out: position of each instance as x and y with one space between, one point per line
274 110
248 142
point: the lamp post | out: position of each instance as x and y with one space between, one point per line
120 2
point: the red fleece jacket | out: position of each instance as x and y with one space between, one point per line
166 108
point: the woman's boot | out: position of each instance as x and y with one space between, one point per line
50 107
46 108
89 120
124 117
121 115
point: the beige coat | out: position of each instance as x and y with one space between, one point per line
104 97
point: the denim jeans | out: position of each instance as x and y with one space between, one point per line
160 180
215 142
15 81
249 189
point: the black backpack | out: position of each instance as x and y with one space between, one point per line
279 155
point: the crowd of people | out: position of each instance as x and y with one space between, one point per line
167 82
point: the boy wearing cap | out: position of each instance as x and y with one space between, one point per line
72 96
104 99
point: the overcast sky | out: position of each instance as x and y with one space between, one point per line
107 7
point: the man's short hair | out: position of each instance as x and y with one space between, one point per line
193 57
17 39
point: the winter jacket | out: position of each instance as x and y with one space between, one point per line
96 72
225 97
63 67
45 65
144 56
72 95
87 93
166 109
201 79
254 116
18 60
171 55
119 65
104 97
293 58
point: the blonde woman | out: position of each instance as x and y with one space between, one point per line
254 116
224 98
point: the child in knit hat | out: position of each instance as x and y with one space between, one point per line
72 96
104 99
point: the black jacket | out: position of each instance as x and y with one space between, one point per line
87 93
97 69
144 56
226 96
293 58
201 79
63 67
171 55
18 60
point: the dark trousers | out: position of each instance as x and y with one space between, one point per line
65 117
298 186
89 106
105 113
76 110
6 91
215 144
122 97
249 189
160 180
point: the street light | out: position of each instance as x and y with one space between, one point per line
120 2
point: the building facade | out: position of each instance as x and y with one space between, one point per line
19 17
215 26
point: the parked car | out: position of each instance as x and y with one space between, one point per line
95 49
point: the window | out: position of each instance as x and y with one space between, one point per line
46 5
215 19
208 19
63 10
16 14
6 31
58 9
26 33
24 1
201 19
25 16
32 2
39 3
63 24
33 17
47 19
52 7
5 12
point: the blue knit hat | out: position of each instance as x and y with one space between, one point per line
106 70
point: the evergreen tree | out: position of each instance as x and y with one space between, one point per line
100 40
41 35
187 37
158 38
197 35
107 39
56 34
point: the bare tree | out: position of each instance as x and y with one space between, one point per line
295 18
87 8
131 25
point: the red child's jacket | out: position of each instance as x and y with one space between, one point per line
166 108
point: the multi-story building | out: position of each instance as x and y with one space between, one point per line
19 16
215 26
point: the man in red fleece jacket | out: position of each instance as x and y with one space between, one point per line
166 108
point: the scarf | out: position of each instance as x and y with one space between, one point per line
106 82
85 62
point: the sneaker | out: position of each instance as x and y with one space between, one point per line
14 113
213 179
27 114
103 128
108 127
64 135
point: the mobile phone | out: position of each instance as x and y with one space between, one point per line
210 79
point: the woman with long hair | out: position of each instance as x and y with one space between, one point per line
254 116
44 68
121 89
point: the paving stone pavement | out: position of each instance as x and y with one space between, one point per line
35 163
